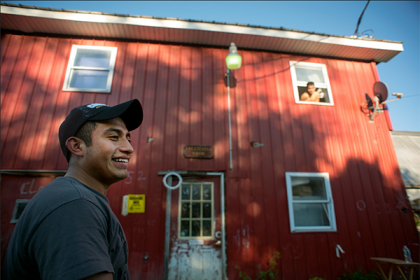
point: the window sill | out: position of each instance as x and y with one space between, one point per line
314 230
314 103
88 90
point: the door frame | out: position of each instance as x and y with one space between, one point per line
168 215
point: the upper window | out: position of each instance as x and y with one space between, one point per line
90 68
311 205
310 83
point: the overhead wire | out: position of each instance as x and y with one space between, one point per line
360 18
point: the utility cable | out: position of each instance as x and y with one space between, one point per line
360 18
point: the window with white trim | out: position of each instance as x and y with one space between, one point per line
17 211
304 72
196 218
311 206
90 68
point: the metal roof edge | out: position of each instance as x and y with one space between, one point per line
98 17
405 133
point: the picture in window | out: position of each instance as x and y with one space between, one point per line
310 83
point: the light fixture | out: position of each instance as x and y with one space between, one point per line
255 144
233 59
233 62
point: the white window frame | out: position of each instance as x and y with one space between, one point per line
296 83
70 67
212 218
328 203
14 219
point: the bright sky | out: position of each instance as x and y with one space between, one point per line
389 20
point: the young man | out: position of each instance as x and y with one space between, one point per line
311 94
68 230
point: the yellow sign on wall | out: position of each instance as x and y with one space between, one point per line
134 203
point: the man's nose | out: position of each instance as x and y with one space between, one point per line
126 147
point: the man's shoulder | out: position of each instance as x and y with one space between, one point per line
66 189
61 191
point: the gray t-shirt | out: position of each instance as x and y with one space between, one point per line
67 231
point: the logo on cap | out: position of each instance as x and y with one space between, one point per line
96 105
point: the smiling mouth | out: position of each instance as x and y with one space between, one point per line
120 160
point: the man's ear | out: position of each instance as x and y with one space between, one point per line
75 146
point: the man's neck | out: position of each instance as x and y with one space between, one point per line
81 176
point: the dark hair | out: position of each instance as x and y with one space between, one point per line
310 84
85 133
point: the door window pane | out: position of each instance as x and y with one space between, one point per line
206 210
185 228
196 210
207 192
186 192
196 192
185 212
206 228
195 229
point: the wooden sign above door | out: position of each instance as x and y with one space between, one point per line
200 152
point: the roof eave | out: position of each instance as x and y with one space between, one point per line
317 44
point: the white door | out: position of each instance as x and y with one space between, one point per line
196 238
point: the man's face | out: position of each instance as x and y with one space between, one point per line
106 160
311 89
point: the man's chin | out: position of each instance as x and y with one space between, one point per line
119 177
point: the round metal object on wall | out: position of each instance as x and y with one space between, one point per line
169 186
380 90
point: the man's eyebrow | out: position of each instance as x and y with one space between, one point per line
118 131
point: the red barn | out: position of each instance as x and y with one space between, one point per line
262 171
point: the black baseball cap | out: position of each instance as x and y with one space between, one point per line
130 112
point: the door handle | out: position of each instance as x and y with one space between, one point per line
218 243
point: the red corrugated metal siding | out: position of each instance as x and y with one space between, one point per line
184 98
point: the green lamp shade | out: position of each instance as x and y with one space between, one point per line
233 61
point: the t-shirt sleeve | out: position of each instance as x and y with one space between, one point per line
71 242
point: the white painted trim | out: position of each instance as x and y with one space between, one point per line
295 83
190 219
66 84
330 205
203 26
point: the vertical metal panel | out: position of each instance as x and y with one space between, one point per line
12 92
344 206
183 95
25 115
5 39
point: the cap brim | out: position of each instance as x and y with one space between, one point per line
130 112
